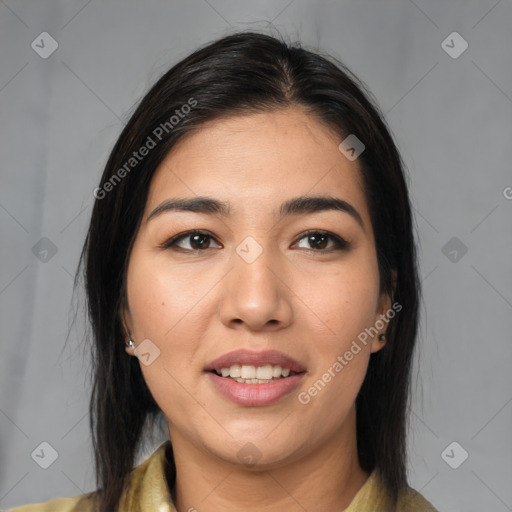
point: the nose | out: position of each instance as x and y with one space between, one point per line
256 295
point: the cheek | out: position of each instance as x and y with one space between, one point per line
161 306
341 303
340 362
340 307
161 297
162 303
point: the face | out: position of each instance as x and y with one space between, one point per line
300 282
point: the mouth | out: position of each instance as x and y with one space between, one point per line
250 374
255 392
255 378
252 367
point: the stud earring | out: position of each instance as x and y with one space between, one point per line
130 344
382 337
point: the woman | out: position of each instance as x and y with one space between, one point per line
251 274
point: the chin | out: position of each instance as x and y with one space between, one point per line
256 453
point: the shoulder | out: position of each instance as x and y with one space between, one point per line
82 503
375 496
146 490
412 501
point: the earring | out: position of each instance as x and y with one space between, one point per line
382 337
130 344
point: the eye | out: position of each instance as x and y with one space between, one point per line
197 240
318 241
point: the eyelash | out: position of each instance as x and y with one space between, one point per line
340 243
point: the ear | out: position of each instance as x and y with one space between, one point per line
126 323
382 318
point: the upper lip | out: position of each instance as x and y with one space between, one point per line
251 358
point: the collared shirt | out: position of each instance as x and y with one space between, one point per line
148 492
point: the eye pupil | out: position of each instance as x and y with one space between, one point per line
202 243
320 245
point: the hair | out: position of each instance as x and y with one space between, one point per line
240 74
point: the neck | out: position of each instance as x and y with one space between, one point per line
327 478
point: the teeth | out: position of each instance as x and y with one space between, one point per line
248 372
264 372
254 381
252 374
235 371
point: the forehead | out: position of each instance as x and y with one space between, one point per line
259 160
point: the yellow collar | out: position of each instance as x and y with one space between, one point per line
148 491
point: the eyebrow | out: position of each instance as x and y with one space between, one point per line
295 206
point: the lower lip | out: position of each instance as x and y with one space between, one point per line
254 395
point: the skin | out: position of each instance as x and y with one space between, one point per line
198 305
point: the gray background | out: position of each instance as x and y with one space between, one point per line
452 120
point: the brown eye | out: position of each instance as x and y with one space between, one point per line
319 241
199 241
196 240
